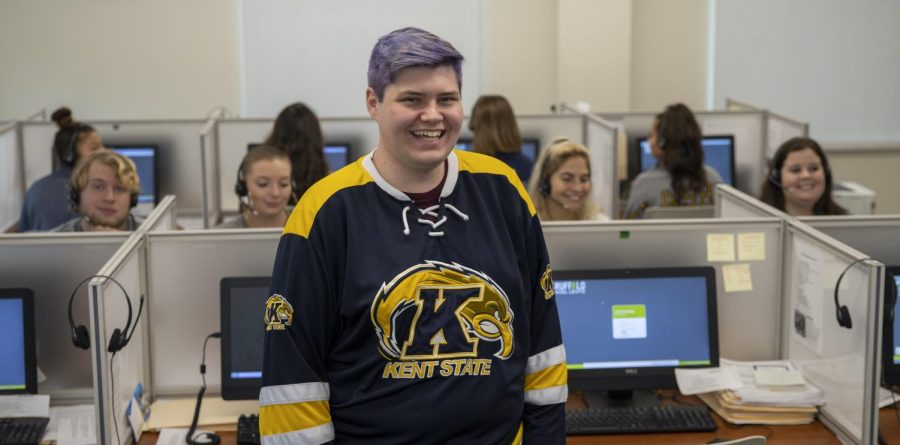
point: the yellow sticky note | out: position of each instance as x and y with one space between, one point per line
719 247
737 277
751 246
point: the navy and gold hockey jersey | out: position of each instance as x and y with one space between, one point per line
391 324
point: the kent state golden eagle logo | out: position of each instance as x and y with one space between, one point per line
437 311
279 313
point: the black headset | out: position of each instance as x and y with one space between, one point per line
71 153
842 313
119 337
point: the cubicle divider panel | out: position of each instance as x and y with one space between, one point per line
233 137
178 158
779 129
733 203
548 127
749 144
162 218
209 146
736 105
11 193
52 265
842 362
184 273
746 305
602 142
119 374
875 236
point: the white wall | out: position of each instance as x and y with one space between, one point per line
669 53
317 51
118 59
834 63
520 60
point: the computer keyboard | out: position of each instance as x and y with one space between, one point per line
641 419
248 429
22 430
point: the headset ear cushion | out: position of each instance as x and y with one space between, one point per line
74 198
544 187
81 338
115 341
843 316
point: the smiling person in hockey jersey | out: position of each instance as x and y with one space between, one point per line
412 299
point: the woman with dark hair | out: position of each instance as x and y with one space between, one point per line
298 134
47 200
496 134
679 179
799 181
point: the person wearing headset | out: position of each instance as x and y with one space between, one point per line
680 178
264 187
297 133
493 124
800 180
103 190
47 200
412 297
560 186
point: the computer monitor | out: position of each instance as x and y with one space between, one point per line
242 307
718 153
890 354
337 154
146 162
627 330
18 356
530 146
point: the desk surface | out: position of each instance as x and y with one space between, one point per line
814 433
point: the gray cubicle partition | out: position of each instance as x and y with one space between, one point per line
637 244
12 193
183 274
601 139
733 203
778 128
52 264
748 128
179 161
118 374
162 217
843 362
234 136
209 154
876 236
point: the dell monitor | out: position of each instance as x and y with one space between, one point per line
890 355
718 153
18 356
242 307
530 147
146 162
337 154
627 330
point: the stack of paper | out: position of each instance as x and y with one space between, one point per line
767 392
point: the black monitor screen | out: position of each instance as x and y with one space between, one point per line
530 147
891 340
629 329
337 154
718 153
243 304
144 158
18 369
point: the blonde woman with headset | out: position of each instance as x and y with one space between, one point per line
560 185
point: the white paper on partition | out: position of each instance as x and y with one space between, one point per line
806 296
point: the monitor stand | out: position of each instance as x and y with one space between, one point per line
619 399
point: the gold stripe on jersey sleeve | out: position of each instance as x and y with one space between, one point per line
285 418
549 377
518 439
479 163
304 214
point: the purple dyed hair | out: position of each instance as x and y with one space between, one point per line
407 48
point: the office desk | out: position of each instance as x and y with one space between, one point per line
812 434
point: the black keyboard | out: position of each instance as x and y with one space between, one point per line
22 430
642 419
248 429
